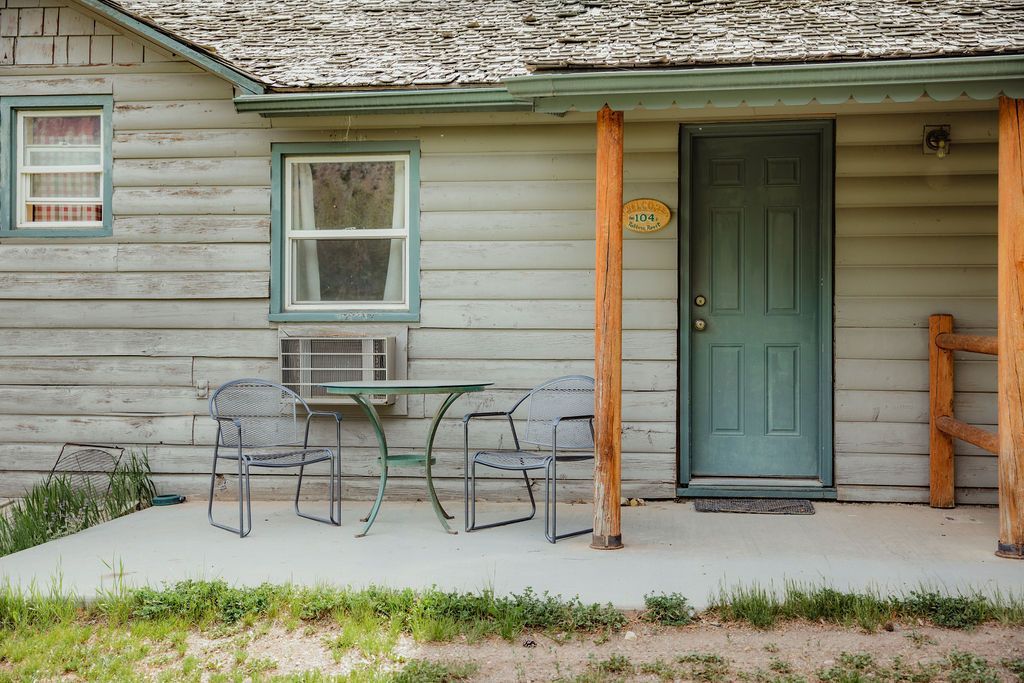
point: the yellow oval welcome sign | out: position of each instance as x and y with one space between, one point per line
645 215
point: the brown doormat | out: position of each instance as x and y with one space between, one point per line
756 506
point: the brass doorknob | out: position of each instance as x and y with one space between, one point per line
699 325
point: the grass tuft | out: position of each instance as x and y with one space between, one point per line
56 508
763 607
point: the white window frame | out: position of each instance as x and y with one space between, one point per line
291 236
22 184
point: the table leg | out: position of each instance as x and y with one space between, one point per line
382 444
442 515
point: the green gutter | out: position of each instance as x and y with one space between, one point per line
383 102
900 80
173 43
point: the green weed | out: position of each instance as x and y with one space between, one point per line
668 610
965 667
57 508
423 671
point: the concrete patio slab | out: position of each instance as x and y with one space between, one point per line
669 547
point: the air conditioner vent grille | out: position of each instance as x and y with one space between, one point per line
308 362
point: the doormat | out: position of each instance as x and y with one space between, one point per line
756 506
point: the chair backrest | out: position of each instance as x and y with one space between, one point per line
270 414
561 397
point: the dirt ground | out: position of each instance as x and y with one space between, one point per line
806 648
787 653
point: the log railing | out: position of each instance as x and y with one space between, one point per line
943 426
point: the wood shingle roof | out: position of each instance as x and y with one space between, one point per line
361 44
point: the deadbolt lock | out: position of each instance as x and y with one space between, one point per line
699 325
699 300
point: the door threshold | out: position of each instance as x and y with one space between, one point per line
715 487
769 482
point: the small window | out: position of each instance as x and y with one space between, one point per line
60 166
348 235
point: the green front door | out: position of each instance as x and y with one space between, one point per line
755 304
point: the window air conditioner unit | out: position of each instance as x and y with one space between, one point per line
308 362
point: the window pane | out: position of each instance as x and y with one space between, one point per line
65 185
44 156
63 130
368 270
337 195
64 213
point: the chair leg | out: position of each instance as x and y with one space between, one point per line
248 502
240 529
330 519
552 503
471 524
241 501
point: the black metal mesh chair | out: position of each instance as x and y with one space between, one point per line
560 417
262 424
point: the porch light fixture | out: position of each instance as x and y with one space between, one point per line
937 140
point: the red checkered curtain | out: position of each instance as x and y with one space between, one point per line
61 169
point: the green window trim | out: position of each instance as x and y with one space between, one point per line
279 153
9 108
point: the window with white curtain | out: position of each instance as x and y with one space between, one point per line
56 166
60 168
346 232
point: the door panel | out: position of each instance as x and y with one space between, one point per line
754 247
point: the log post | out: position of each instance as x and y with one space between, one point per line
940 393
1011 328
608 334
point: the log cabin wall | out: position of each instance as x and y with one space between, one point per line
115 340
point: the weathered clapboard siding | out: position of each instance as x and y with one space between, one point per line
120 338
915 235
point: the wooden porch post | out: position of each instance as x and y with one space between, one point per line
940 388
1011 328
608 334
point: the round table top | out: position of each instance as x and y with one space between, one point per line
404 386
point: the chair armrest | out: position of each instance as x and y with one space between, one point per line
325 413
233 420
469 416
570 418
502 413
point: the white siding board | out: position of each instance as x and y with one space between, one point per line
974 250
909 375
85 342
193 257
193 229
912 281
57 257
898 221
96 400
910 406
147 285
913 311
185 114
908 160
507 195
907 128
539 284
123 371
535 344
519 256
135 314
529 314
191 200
192 172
